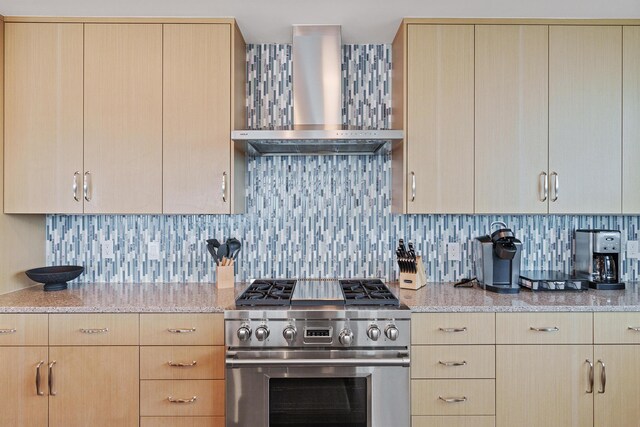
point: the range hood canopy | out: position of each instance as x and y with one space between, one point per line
317 104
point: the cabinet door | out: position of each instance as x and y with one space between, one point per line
618 404
440 119
543 385
196 119
511 110
20 404
123 118
630 121
43 118
94 386
585 102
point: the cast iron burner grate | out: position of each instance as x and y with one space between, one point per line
267 292
367 292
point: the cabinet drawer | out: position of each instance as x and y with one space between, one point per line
453 397
182 422
208 394
454 361
23 329
182 363
544 328
455 421
453 328
616 328
182 329
93 329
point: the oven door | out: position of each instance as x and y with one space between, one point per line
328 388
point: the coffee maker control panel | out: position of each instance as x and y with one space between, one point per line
606 242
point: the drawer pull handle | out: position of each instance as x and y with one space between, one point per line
38 391
634 328
590 389
182 365
94 331
174 400
463 363
182 331
550 329
8 331
463 329
453 399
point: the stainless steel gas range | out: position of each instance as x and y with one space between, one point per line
330 353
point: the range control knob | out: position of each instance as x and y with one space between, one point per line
346 337
289 333
244 333
391 332
373 332
262 332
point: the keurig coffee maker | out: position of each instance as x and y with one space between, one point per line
598 258
497 260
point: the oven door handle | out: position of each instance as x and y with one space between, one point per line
232 362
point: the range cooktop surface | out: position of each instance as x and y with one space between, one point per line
317 292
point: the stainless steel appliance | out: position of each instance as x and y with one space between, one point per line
497 260
318 353
597 258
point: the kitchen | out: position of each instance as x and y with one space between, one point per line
109 164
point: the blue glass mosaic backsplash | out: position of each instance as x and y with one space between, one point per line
311 216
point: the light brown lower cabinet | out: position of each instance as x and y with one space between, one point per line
94 386
182 422
449 421
184 398
20 402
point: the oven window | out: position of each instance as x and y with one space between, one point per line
326 402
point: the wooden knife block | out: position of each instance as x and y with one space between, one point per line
225 277
414 280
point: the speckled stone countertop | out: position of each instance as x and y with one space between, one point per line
207 298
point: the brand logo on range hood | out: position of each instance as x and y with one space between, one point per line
317 97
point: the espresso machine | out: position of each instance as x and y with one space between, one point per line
497 260
597 258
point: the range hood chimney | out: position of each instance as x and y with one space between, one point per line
317 104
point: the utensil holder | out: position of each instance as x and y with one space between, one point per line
414 280
225 276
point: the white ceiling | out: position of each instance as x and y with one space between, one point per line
363 21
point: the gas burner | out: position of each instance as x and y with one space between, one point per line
367 292
267 292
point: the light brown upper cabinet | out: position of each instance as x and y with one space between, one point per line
438 96
43 118
585 119
197 119
511 119
123 118
631 120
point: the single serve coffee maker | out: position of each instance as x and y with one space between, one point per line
598 258
497 260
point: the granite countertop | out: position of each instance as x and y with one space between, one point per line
207 298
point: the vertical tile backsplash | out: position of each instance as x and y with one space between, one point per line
317 216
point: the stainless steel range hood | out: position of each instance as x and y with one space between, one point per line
317 104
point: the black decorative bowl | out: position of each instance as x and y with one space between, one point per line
54 278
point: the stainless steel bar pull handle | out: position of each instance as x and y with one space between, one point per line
545 329
590 363
224 187
545 186
634 328
94 331
51 391
182 365
463 329
453 399
85 186
174 400
463 363
7 331
38 391
603 377
413 186
182 330
556 186
75 186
